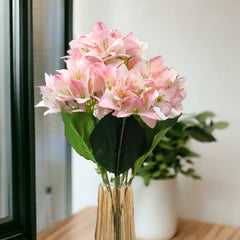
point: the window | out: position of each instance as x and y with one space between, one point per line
17 174
51 33
5 115
20 219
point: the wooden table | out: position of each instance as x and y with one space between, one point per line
82 225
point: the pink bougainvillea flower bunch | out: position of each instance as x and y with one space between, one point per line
107 72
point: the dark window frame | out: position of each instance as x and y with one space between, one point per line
22 223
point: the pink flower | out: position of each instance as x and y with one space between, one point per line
181 94
96 82
107 72
106 45
49 100
134 105
79 90
128 97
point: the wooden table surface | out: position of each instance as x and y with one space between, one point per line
82 226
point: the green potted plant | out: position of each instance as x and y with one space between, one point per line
157 199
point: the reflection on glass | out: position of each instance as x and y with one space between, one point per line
5 118
51 151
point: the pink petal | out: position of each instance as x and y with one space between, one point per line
121 114
79 90
117 46
150 122
149 99
49 79
157 60
170 94
116 34
156 64
132 62
75 53
134 104
107 101
99 26
178 107
178 99
132 48
92 57
128 36
150 114
165 108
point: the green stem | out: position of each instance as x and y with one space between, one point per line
120 146
110 190
131 178
118 209
126 179
117 186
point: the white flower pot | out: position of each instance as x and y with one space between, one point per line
155 209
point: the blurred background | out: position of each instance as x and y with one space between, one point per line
201 40
198 38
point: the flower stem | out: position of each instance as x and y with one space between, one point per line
117 186
126 179
118 209
110 190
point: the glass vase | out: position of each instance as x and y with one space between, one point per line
115 213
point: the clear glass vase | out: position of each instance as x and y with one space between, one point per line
115 214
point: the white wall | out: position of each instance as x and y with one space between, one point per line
201 40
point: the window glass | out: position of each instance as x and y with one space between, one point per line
5 114
51 146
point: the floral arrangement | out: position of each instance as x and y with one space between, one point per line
172 155
115 104
107 77
107 72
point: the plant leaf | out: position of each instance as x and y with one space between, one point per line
200 134
105 142
220 125
204 115
78 127
185 152
190 122
189 161
152 132
191 173
154 135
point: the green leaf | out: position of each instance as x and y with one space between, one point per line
165 145
200 134
157 174
189 161
162 166
197 177
100 170
190 122
204 115
147 179
161 125
78 127
154 135
117 144
191 173
185 152
220 125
